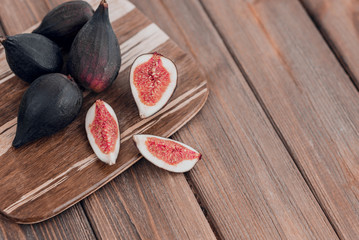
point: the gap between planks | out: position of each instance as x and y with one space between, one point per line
269 116
331 45
81 203
205 211
336 52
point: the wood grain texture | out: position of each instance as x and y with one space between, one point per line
73 172
306 92
248 184
31 12
2 32
339 22
71 224
158 204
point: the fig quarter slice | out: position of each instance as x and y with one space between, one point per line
153 79
103 131
166 153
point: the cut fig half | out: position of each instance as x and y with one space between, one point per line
166 153
103 131
153 79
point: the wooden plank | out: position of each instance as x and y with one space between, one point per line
159 205
247 177
72 224
31 12
338 21
306 92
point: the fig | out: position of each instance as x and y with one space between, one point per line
31 55
63 22
166 153
50 103
153 79
103 131
95 57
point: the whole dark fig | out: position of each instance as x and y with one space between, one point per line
63 22
50 103
95 56
31 55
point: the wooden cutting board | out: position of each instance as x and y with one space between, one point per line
42 179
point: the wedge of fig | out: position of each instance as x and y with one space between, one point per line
63 22
166 153
153 79
95 56
31 55
50 103
103 131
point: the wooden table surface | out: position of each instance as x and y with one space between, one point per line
279 133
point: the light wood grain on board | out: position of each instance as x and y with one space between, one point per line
61 175
339 22
306 92
248 183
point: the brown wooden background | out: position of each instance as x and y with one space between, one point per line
279 132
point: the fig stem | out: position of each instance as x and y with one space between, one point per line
2 39
104 3
70 78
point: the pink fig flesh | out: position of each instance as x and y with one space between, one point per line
104 128
151 80
103 131
167 153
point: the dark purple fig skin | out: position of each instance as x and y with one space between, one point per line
95 57
63 22
50 103
31 55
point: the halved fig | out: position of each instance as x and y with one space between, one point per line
166 153
103 131
153 79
